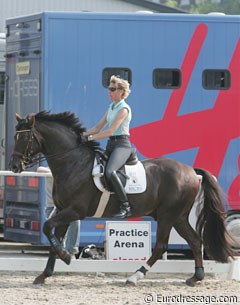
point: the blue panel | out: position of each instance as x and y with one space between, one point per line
215 53
185 156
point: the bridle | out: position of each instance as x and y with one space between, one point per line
27 158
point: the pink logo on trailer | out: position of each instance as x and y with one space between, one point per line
219 125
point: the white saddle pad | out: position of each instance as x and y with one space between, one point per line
135 184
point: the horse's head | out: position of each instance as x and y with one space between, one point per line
27 144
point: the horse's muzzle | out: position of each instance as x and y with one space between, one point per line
15 165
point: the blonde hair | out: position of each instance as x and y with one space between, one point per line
121 84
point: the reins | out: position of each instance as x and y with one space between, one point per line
36 160
27 158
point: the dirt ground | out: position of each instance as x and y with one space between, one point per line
80 289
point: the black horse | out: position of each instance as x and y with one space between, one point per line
171 191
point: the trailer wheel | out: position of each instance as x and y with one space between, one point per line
233 228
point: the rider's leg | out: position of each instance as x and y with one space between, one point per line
117 159
72 238
125 209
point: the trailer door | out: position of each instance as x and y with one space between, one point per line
23 57
23 203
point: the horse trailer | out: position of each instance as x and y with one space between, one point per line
184 72
2 117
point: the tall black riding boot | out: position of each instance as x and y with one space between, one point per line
125 209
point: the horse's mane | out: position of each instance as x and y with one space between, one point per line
68 119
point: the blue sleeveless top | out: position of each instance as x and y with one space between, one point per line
123 129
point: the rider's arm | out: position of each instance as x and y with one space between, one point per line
121 116
96 129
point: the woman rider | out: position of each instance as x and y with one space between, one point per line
118 117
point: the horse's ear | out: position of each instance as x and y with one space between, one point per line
18 117
31 120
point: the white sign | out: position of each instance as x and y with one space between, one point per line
23 68
128 240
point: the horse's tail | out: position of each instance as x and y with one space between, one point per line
211 220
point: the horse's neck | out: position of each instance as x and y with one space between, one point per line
75 160
56 139
62 151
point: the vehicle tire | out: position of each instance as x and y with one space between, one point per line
233 228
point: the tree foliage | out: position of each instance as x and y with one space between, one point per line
229 7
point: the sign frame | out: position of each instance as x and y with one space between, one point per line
128 240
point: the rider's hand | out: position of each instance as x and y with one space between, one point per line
84 139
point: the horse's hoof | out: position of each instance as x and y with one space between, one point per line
192 281
130 283
67 259
39 279
132 280
65 256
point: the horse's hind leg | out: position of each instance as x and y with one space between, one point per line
185 230
163 230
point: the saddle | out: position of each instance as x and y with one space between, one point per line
132 174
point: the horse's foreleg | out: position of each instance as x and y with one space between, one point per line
61 252
161 246
54 241
48 271
185 230
60 224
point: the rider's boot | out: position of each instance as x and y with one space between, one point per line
125 209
